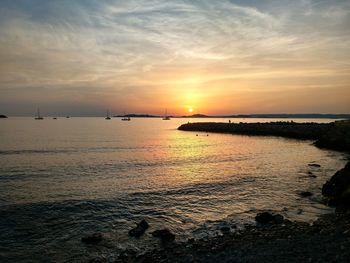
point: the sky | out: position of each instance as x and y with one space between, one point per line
219 57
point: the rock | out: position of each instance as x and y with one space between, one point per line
311 175
268 218
92 239
264 218
306 194
337 189
3 116
164 234
314 165
337 137
190 240
143 224
140 229
278 219
225 229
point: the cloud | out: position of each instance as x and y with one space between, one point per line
157 46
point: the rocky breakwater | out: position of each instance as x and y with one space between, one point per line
335 135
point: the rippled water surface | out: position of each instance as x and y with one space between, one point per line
61 179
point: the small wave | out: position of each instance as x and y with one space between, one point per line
59 151
14 152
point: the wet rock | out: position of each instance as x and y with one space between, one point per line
143 224
127 255
268 218
95 260
306 194
140 229
164 234
225 229
3 116
264 218
337 189
278 219
314 165
190 240
92 239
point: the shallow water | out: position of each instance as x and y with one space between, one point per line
61 179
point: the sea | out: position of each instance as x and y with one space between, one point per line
63 179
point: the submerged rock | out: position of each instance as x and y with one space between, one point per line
164 234
311 175
269 218
140 229
337 189
314 165
306 194
92 239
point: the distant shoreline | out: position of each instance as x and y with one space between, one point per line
237 116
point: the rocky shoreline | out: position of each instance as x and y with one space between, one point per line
272 239
327 240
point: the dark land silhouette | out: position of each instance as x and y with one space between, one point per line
335 135
265 116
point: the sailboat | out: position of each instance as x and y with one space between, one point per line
39 117
126 118
166 117
108 117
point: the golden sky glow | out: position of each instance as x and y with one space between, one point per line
217 57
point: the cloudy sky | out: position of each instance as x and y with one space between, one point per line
218 57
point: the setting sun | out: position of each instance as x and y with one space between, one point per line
190 110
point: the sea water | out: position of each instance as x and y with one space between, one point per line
63 179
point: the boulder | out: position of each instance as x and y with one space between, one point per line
140 229
3 116
92 239
337 189
269 218
164 234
